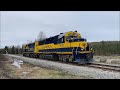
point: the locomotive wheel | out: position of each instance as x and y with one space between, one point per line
55 57
41 56
37 55
23 54
63 58
29 55
67 60
60 58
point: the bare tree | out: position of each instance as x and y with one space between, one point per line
18 49
28 41
41 36
13 50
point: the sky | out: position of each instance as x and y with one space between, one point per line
19 27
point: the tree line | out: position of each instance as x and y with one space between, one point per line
11 50
106 47
18 49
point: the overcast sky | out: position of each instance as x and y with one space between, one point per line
19 26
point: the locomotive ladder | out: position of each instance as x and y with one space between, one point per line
74 53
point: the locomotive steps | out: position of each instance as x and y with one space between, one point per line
70 69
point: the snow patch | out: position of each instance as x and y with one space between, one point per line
17 63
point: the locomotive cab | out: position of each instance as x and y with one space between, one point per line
82 52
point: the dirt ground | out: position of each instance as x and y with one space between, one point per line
108 59
28 71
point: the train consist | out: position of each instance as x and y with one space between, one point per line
67 47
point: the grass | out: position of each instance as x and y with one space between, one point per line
11 72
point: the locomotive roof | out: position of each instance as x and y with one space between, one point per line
59 36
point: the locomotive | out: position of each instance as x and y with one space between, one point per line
67 47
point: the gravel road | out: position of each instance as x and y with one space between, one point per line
71 69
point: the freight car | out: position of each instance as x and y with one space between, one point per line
67 47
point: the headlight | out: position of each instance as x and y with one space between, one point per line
91 49
81 49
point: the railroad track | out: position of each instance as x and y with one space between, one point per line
105 66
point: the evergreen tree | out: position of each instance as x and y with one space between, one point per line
13 50
6 50
17 51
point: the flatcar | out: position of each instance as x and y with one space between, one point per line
67 47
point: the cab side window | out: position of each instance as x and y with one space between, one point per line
61 40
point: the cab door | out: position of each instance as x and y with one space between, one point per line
61 42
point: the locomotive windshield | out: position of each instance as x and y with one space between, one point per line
72 36
77 39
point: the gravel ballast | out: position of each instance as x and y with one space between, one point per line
71 69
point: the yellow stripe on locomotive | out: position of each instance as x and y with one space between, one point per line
65 44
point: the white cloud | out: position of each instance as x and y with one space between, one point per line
19 26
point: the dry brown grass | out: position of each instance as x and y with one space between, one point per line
29 71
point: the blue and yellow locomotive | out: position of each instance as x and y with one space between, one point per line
68 47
